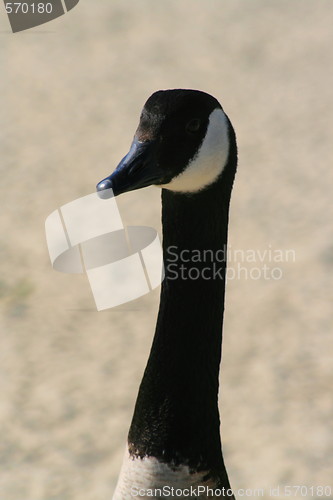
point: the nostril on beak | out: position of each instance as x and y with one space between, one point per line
104 188
136 167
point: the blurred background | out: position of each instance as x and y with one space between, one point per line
71 94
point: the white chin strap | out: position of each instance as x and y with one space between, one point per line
210 159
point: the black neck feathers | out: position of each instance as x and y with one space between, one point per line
176 418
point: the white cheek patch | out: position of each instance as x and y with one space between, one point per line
210 160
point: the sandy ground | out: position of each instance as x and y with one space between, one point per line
71 93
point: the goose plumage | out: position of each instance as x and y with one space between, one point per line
185 144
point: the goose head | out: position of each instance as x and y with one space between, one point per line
182 144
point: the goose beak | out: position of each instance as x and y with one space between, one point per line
136 170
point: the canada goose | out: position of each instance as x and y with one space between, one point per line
185 144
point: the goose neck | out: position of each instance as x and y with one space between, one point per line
176 418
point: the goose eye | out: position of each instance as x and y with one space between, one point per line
193 126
